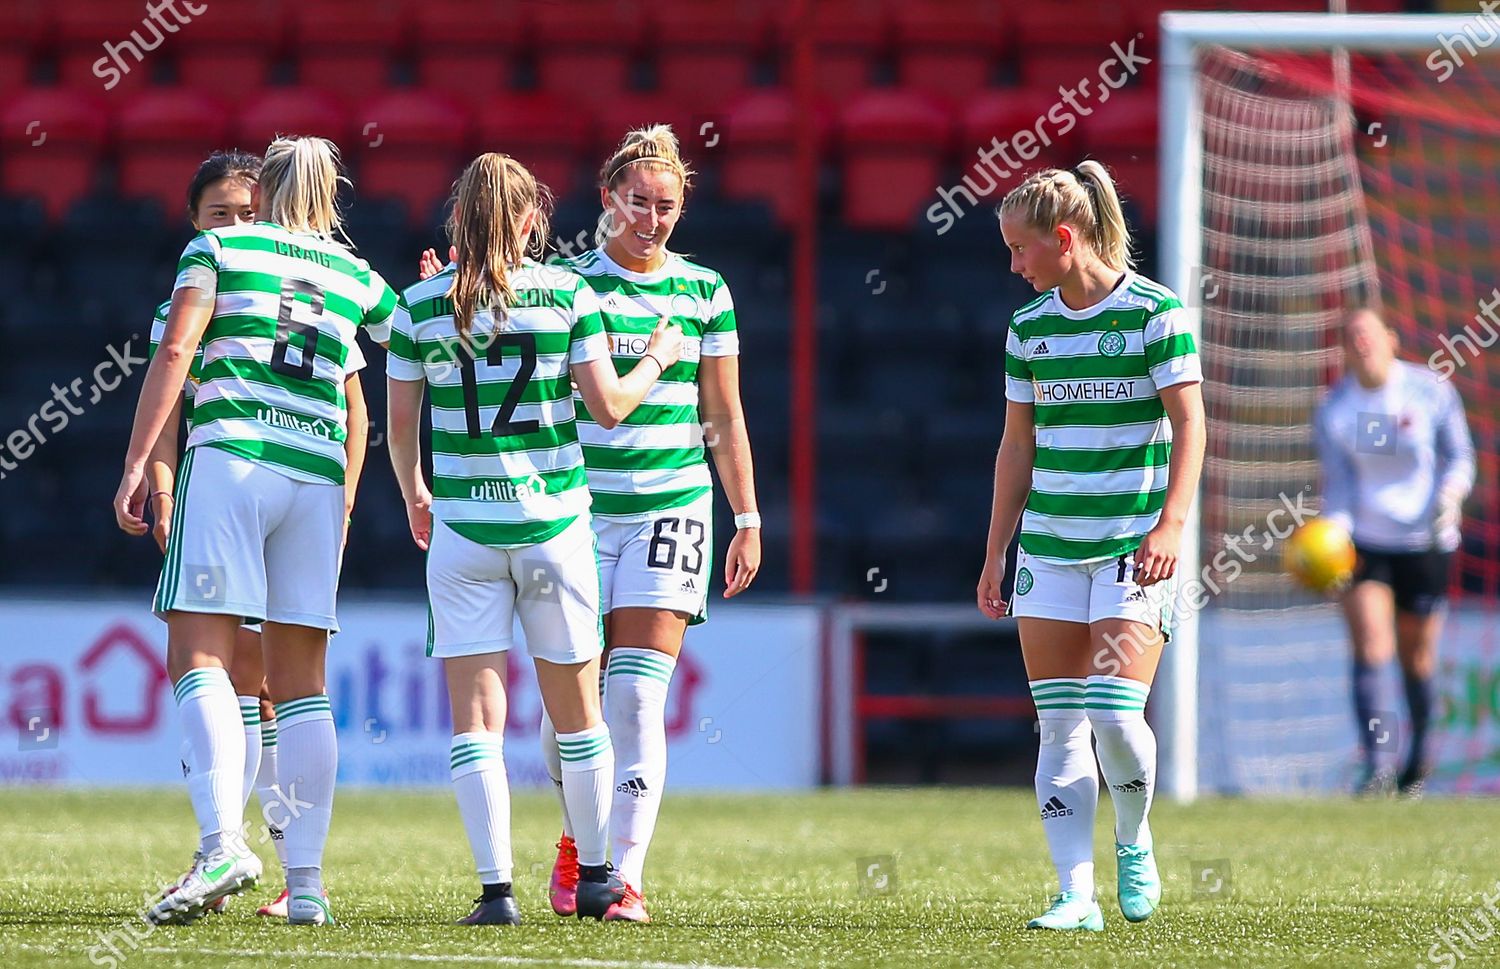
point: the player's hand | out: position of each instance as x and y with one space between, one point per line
742 561
348 519
988 594
1449 512
430 265
130 502
666 343
419 516
161 510
1156 558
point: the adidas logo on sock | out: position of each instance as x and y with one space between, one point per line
689 586
1055 808
276 833
1041 349
635 787
1131 787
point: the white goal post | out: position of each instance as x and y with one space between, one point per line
1183 38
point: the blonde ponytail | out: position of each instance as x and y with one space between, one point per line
491 201
653 147
299 184
1084 198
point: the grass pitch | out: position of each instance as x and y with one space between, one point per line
928 878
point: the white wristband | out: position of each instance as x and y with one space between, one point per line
749 519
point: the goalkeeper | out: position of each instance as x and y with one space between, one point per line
1397 464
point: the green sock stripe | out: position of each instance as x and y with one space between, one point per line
621 669
1120 695
309 704
490 747
251 715
1059 705
1057 691
1126 686
632 663
584 753
461 760
1118 706
194 681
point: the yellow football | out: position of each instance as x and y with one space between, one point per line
1319 555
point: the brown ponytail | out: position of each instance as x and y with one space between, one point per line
491 201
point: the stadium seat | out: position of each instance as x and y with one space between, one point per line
894 144
346 47
543 132
468 49
230 49
410 147
849 38
584 49
759 159
290 111
624 110
949 49
1041 28
25 30
110 44
704 51
162 135
53 160
1003 116
1123 135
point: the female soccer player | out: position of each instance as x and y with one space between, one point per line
653 497
259 518
496 338
219 195
1101 378
1398 463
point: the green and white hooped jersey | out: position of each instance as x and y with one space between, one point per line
195 370
1103 440
278 349
507 468
654 460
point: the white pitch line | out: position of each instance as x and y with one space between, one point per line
439 959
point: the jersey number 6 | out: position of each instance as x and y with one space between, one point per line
290 288
493 355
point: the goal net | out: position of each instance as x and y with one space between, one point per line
1331 174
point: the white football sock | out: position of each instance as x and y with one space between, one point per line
307 765
211 722
588 770
477 765
636 711
1127 752
554 768
250 716
1067 781
266 791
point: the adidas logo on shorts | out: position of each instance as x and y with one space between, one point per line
635 787
1055 808
1131 787
689 586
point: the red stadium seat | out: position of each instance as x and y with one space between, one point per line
543 132
291 111
850 36
635 109
346 47
1003 115
1087 24
948 48
410 147
704 50
468 49
105 43
50 145
760 150
230 49
24 30
894 146
584 48
1123 135
162 135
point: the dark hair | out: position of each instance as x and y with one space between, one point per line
221 164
